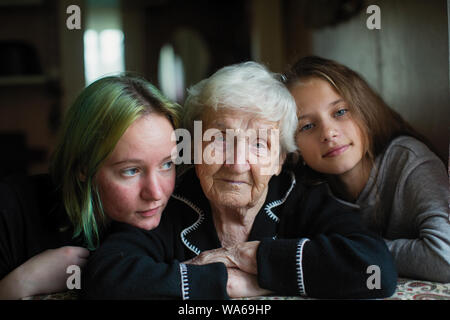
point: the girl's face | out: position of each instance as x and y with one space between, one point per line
328 138
138 177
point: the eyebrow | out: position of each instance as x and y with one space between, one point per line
127 161
220 125
331 104
137 161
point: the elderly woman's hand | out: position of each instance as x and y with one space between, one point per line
242 284
240 261
241 256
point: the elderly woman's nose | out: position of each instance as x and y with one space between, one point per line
151 188
237 157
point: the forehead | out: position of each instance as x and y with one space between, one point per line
315 95
236 119
148 138
314 90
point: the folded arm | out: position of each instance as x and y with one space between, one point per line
425 205
44 273
332 259
241 264
134 264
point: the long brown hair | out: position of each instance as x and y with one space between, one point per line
379 123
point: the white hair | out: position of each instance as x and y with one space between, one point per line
248 87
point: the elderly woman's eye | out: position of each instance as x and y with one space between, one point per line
219 138
220 143
260 144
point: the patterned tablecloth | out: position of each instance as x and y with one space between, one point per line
407 289
421 290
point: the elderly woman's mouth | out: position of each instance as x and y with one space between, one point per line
234 182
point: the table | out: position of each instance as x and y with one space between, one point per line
407 289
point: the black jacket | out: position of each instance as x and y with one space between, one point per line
32 219
310 245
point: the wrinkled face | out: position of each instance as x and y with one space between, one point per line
137 179
240 155
328 137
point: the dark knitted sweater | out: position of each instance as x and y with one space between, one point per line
32 219
310 245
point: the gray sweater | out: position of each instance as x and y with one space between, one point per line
406 200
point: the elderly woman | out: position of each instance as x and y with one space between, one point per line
238 224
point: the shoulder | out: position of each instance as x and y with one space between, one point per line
188 195
407 165
131 240
316 199
408 148
314 190
313 210
404 154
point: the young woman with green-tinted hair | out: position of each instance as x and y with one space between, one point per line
112 162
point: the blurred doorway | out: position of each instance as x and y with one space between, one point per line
200 36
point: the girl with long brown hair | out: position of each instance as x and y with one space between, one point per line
373 159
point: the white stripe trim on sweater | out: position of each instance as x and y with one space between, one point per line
299 258
184 282
349 204
193 227
268 208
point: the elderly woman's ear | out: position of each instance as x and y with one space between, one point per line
281 162
275 167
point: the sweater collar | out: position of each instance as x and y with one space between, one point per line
201 234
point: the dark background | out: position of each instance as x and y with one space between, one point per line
42 61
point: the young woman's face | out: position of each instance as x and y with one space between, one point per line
328 138
138 177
